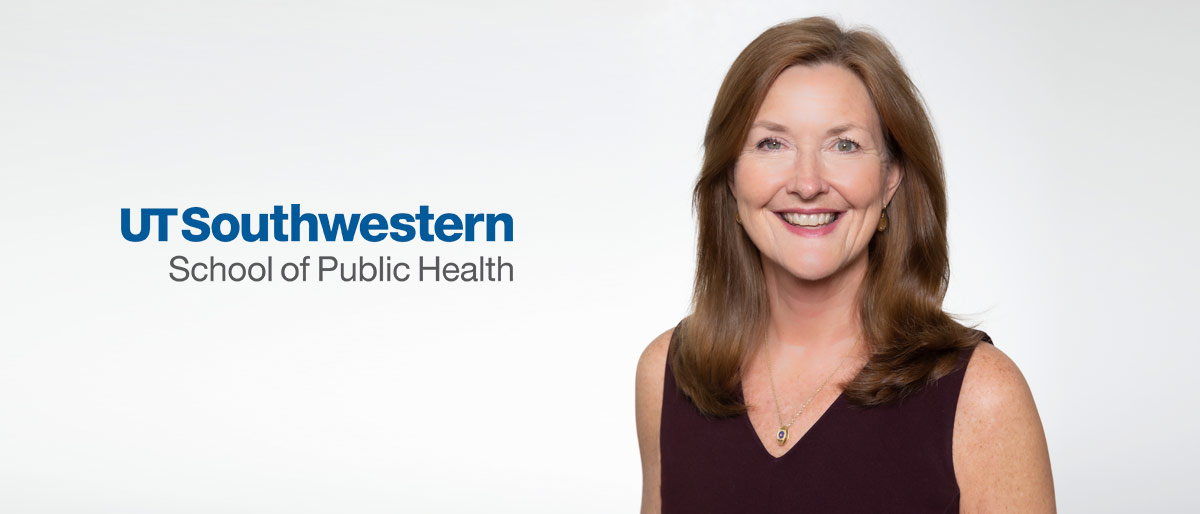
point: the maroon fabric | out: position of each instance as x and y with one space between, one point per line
893 458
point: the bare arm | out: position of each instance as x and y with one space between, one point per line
650 372
1000 456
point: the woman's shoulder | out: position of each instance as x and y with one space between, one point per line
651 366
659 345
651 371
998 433
991 379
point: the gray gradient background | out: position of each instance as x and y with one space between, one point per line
1068 133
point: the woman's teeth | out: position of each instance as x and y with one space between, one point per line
809 220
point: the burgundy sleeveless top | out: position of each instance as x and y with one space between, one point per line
891 458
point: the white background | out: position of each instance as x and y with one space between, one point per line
1069 139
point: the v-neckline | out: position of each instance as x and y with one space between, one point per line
805 437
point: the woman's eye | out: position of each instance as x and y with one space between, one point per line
846 145
770 143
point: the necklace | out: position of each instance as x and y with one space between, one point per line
782 435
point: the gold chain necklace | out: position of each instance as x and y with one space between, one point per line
782 435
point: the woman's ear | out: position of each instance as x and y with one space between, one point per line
894 175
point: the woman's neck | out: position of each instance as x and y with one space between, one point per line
814 317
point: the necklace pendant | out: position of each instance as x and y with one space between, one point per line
781 435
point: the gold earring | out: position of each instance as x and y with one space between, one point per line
737 217
882 220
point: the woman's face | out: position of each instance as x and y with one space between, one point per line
812 180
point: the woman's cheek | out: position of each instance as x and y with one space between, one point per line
860 187
749 184
761 178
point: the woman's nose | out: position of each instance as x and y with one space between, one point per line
808 176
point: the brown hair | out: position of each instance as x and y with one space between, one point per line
912 341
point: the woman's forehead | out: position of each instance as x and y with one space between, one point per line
820 97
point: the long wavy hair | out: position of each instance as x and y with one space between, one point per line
911 340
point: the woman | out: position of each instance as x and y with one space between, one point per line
817 371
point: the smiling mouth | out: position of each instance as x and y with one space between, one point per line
809 220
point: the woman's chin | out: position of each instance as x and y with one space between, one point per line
811 274
813 269
805 271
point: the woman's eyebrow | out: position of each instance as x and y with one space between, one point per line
769 125
835 130
843 128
